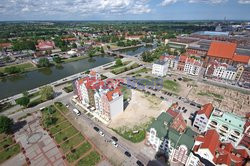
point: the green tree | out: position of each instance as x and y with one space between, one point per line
102 50
46 93
23 101
57 59
43 62
74 45
118 62
12 70
5 124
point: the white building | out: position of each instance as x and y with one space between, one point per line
160 68
202 117
229 126
192 66
172 61
223 71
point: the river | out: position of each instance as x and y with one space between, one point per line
136 50
17 84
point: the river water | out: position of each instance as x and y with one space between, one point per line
17 84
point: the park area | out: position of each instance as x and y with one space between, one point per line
77 150
8 147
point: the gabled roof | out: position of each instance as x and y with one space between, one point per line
211 141
112 92
206 109
172 112
222 49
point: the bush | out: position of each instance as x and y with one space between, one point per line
5 124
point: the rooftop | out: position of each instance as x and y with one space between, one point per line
222 49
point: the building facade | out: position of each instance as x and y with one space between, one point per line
160 68
192 66
229 126
202 117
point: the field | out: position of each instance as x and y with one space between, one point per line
24 67
73 144
8 147
137 115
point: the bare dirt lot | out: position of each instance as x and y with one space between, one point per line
225 99
141 109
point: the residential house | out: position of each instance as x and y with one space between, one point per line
209 150
182 62
202 117
160 68
192 66
163 136
45 45
229 126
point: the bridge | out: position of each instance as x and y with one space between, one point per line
114 53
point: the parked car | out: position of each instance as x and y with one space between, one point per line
138 162
67 105
114 138
115 144
162 97
77 112
185 111
96 129
101 133
127 154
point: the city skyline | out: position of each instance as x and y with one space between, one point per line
15 10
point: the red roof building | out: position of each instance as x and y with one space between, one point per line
225 52
45 45
222 153
206 109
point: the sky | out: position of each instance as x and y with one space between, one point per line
12 10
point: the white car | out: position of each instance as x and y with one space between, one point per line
77 112
67 105
101 133
115 145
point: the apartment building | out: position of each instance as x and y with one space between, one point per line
209 150
202 117
229 126
163 136
171 60
104 99
160 68
192 66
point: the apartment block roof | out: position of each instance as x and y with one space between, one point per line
112 92
233 121
206 109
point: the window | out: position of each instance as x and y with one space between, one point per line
202 117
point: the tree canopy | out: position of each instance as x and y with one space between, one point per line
5 124
47 93
43 62
23 101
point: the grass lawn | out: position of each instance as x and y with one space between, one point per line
126 92
124 69
72 142
59 127
68 89
61 107
128 134
65 134
91 159
5 106
6 143
9 152
211 94
79 151
74 59
24 66
171 85
143 70
55 114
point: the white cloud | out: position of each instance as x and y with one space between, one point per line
168 2
81 7
244 1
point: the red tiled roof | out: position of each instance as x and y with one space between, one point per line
183 58
69 39
211 141
179 123
223 159
4 45
222 49
206 109
241 58
172 112
110 93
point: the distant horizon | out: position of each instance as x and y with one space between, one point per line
79 10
